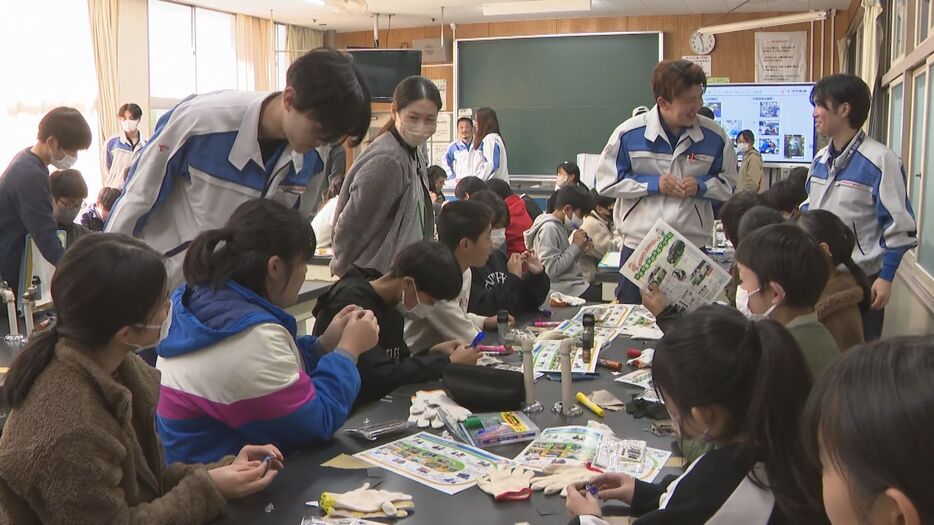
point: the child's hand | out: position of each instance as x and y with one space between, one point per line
532 262
653 299
614 486
581 239
514 265
360 334
332 334
581 504
465 355
446 347
491 324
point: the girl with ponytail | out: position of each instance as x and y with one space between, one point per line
742 386
846 296
233 368
79 444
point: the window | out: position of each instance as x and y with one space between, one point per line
899 15
896 117
923 23
191 50
918 94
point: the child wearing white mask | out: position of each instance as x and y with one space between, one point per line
782 273
750 172
120 149
514 282
385 202
549 237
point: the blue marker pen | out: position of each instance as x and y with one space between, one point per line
476 340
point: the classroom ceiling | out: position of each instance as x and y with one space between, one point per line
416 13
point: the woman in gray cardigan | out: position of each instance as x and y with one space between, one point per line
384 204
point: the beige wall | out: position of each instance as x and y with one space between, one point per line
133 58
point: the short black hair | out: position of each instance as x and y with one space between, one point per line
747 134
787 195
575 196
500 187
465 119
733 210
136 112
436 172
600 200
833 90
332 90
799 176
468 186
497 206
68 184
433 267
68 126
570 168
707 112
786 255
756 217
463 220
107 197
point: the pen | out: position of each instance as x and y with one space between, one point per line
477 339
547 324
582 399
492 349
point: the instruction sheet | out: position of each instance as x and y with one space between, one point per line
547 358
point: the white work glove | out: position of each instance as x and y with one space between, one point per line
558 297
364 499
507 483
558 476
425 405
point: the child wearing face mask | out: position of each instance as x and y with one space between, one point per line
782 273
68 193
120 149
233 369
503 282
867 423
750 172
567 174
520 219
549 238
385 202
599 227
25 196
422 274
741 386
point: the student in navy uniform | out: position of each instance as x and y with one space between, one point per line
97 215
457 159
502 284
568 174
862 182
742 386
868 424
422 274
213 152
25 197
667 163
120 149
385 203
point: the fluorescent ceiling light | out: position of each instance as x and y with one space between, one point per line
813 16
315 2
535 7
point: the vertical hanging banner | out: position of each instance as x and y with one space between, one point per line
781 56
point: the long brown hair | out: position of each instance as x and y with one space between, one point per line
486 123
412 89
104 282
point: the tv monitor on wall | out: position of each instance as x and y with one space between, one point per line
385 68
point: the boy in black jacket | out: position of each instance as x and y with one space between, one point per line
423 273
501 283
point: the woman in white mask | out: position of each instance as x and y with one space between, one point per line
385 202
750 172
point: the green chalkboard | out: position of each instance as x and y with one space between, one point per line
557 96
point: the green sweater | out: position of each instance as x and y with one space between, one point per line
816 342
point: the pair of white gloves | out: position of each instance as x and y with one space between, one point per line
364 500
508 483
426 404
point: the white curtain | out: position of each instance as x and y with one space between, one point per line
872 41
256 64
299 40
47 49
105 34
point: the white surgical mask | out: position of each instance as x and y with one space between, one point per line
498 236
742 304
560 183
416 134
743 147
130 125
572 223
138 347
63 163
419 312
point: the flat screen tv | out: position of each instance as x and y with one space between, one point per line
385 68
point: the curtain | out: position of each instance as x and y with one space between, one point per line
299 40
105 34
873 42
256 65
